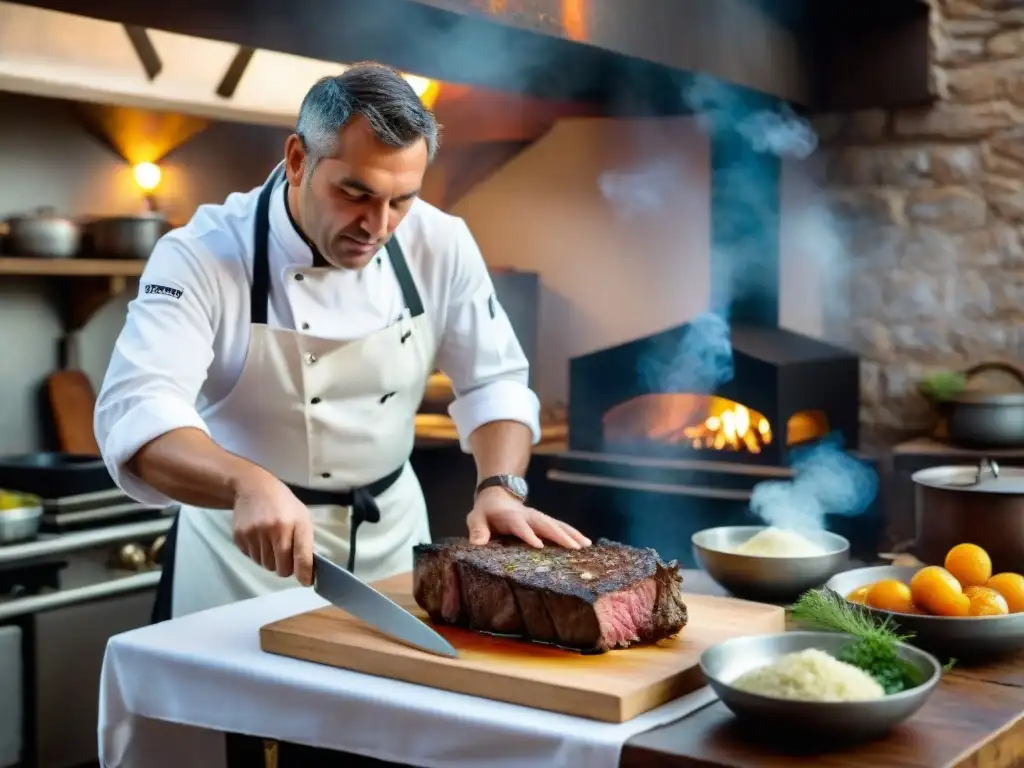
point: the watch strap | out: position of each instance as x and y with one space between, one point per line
516 486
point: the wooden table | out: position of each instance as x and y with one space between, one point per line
975 719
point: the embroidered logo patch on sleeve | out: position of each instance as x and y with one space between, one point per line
163 290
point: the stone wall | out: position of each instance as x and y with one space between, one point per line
933 201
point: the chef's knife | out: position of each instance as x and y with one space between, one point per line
343 590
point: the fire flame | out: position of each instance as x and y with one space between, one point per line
734 427
706 422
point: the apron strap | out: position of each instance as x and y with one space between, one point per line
163 605
259 295
364 510
410 293
361 500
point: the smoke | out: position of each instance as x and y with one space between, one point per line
780 133
702 361
776 129
522 63
827 481
639 191
750 129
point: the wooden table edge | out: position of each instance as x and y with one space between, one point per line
966 758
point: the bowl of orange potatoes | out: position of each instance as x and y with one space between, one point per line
958 608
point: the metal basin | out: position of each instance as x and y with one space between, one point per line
971 638
831 722
767 579
19 524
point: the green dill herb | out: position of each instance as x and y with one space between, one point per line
876 648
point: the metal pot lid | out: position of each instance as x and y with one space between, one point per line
985 477
979 397
42 213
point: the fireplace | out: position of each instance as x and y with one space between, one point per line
673 432
651 461
783 391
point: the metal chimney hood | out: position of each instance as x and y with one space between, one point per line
631 55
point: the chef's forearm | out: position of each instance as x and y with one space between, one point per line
501 447
186 465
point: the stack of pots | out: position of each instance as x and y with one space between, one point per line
45 234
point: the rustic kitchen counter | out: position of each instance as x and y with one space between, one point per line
975 719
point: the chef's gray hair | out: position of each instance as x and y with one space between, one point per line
378 93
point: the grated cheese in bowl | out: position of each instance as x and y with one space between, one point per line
778 542
810 675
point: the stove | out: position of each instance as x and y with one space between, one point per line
24 579
76 492
779 391
98 509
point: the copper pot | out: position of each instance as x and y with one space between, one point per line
981 505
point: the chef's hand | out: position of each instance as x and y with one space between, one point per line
274 528
496 512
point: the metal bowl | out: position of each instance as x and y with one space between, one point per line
843 721
767 579
19 524
967 638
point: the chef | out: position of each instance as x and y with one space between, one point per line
271 365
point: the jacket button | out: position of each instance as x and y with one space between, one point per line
315 400
325 474
300 276
305 326
310 359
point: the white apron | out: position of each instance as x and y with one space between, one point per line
332 419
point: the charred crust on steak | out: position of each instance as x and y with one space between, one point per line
605 596
605 567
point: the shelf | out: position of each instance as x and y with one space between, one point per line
15 265
91 284
79 540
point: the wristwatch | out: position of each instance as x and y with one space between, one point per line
514 485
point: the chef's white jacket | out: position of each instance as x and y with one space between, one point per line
183 350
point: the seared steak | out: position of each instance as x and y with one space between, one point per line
606 596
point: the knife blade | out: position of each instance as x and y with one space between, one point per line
342 589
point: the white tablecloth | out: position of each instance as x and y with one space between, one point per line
167 688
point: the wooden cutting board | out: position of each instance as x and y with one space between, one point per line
72 402
613 687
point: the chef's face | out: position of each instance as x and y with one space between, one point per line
353 200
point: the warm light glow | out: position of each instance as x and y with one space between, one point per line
574 20
419 84
425 88
147 176
704 422
730 426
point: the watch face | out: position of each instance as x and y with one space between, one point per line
517 485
